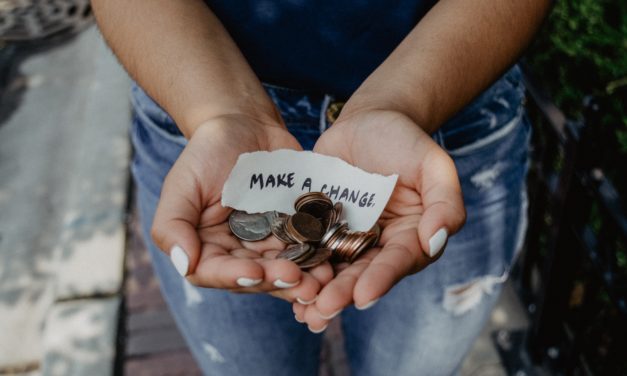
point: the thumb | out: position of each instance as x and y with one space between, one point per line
443 203
176 219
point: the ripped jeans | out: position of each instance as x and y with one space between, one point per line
428 321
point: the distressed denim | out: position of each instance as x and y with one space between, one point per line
428 321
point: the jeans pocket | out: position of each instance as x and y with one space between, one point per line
489 117
153 116
480 134
155 152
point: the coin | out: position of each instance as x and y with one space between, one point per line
319 198
317 223
335 228
296 252
304 227
319 256
317 207
335 215
249 227
272 216
278 229
363 242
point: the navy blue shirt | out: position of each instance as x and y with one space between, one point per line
321 45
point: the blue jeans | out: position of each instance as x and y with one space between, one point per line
428 321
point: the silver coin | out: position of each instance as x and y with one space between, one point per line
334 229
273 215
296 252
249 227
278 229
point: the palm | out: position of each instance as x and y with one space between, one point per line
190 213
427 190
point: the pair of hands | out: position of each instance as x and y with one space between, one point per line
425 207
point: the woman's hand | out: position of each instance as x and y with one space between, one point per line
425 208
191 224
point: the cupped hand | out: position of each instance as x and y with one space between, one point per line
425 208
190 223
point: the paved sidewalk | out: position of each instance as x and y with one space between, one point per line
64 155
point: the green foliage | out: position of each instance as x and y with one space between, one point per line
582 50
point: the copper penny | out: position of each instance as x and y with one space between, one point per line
306 227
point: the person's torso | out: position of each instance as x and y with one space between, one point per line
324 46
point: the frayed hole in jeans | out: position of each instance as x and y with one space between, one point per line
463 297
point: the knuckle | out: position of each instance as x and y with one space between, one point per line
461 217
157 235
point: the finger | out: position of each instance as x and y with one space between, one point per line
314 320
217 268
250 275
279 274
299 312
269 243
323 273
338 293
304 293
444 212
320 275
174 226
400 256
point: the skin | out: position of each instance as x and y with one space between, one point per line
179 52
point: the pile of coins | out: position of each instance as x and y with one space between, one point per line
315 233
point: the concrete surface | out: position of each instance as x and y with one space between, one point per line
64 155
483 359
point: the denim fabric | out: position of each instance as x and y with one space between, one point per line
428 321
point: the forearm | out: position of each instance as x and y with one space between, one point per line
454 53
180 53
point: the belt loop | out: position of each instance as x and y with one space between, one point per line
438 138
323 112
333 111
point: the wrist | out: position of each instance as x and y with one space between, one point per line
422 120
407 100
240 132
255 120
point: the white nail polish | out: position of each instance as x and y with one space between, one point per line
306 302
318 330
248 282
331 315
285 285
367 305
179 259
296 318
437 241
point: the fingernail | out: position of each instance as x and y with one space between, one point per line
179 259
248 282
296 318
285 285
316 331
331 315
437 241
367 305
306 302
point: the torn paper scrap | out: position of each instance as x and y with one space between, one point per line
264 181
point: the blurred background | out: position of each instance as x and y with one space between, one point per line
77 294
